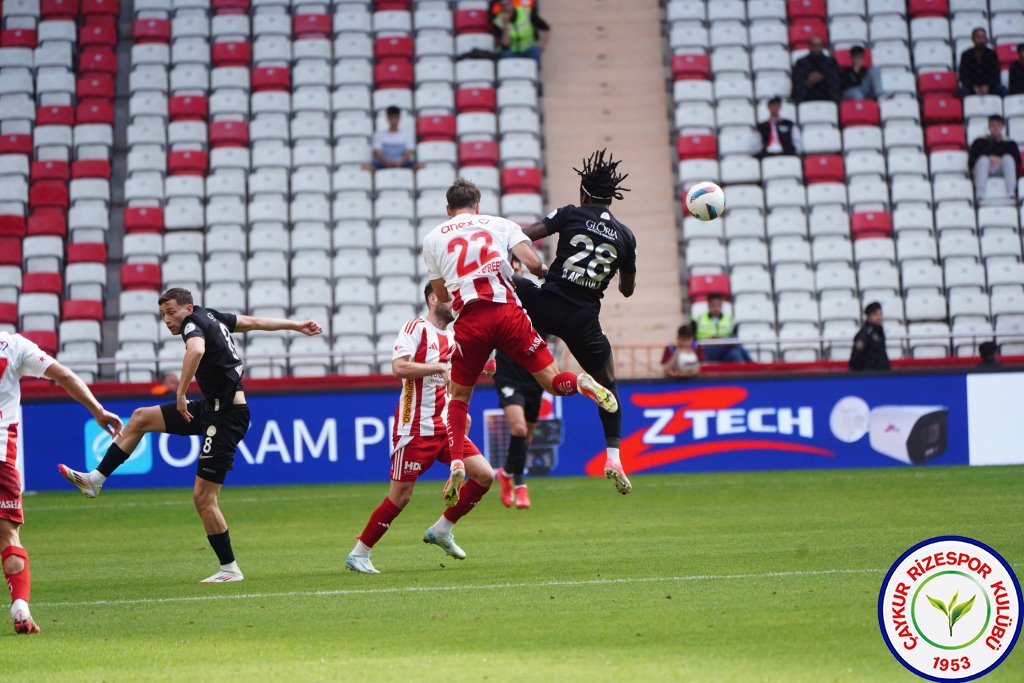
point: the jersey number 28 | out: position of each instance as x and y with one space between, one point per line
479 242
601 256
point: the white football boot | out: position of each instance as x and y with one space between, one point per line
446 542
361 563
81 480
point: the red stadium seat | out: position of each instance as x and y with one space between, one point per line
55 115
41 283
95 85
230 6
98 31
526 180
824 168
806 9
140 276
944 137
102 7
478 153
393 47
44 339
870 224
1007 53
47 193
312 26
859 113
18 37
87 252
90 168
48 221
186 162
10 251
12 225
691 67
58 9
393 73
16 143
697 147
143 219
187 108
271 78
95 110
469 100
434 128
229 134
50 169
942 108
843 57
802 30
8 313
151 31
231 53
398 5
100 59
472 21
703 286
928 8
937 82
82 309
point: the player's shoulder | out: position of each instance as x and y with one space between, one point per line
413 325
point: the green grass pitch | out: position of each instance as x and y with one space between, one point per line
768 576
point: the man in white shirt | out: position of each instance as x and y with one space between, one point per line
19 358
393 148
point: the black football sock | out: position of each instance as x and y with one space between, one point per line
113 459
221 544
516 458
612 422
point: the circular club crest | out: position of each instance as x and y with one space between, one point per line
949 609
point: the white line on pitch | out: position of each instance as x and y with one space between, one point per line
185 500
463 587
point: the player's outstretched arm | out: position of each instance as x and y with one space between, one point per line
403 368
249 323
537 231
79 390
528 257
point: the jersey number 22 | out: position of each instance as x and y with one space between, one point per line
481 241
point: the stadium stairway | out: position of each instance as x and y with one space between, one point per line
603 87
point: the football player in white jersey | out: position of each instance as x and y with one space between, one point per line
420 359
19 358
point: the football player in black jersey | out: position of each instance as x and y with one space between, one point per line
221 417
592 247
519 396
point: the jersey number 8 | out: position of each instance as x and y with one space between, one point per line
602 256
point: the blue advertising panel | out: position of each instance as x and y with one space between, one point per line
344 436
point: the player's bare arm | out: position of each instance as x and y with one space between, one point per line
194 350
528 257
537 231
78 390
403 368
249 323
627 283
439 290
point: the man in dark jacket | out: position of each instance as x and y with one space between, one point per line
994 154
816 75
778 135
979 68
1017 73
869 345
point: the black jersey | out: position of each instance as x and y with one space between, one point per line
220 370
592 247
511 373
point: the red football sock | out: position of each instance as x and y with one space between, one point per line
469 496
20 584
457 411
379 523
564 384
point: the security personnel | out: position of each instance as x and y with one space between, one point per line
519 29
869 345
716 324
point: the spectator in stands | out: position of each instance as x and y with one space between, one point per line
715 324
168 384
979 68
816 75
778 135
393 148
519 29
858 79
869 351
682 359
989 352
1017 73
994 154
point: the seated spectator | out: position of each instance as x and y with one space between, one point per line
979 68
989 352
858 80
778 135
715 324
393 148
682 359
1017 73
816 75
869 352
992 155
519 29
168 384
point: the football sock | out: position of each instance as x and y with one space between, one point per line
221 544
457 412
231 567
19 583
443 526
360 549
516 458
613 455
378 524
611 423
564 384
113 459
469 496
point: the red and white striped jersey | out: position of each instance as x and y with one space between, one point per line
422 408
471 253
19 357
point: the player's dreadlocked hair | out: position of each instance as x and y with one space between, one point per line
599 179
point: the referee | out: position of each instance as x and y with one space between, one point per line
519 396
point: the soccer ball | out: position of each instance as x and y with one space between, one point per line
687 363
705 201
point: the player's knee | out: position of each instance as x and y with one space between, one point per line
13 564
517 428
484 477
141 421
401 498
204 500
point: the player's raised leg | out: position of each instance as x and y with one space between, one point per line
204 495
480 476
19 579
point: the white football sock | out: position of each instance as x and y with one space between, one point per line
19 605
613 456
443 526
97 477
231 567
361 549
